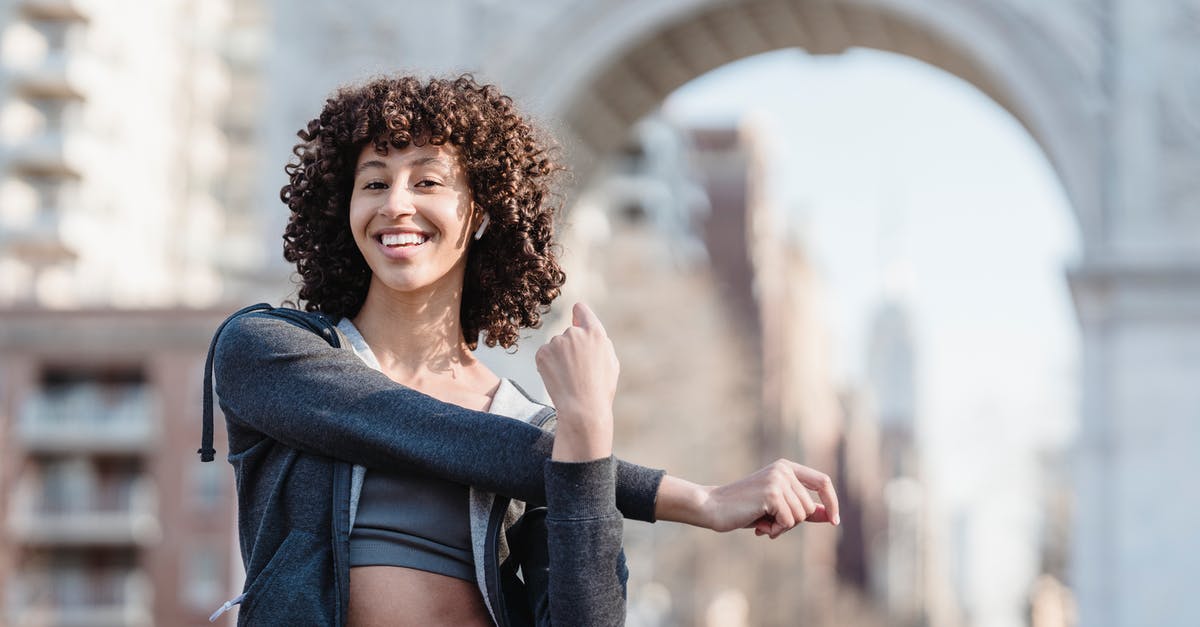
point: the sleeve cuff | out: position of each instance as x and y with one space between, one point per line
576 490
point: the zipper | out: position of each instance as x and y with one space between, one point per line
492 572
341 540
495 526
342 476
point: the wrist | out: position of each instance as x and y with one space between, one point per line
680 500
582 440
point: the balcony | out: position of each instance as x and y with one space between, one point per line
88 419
38 242
60 10
52 153
58 74
124 515
72 597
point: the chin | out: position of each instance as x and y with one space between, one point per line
402 286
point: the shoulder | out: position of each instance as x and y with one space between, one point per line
539 414
265 328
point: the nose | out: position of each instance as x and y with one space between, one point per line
399 202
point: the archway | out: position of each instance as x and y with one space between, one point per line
610 97
1044 72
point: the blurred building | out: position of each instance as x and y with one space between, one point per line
108 517
891 371
1051 601
737 375
126 139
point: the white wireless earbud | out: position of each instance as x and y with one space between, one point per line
482 226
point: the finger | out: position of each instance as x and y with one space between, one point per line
803 495
799 513
820 483
582 316
820 515
806 500
785 513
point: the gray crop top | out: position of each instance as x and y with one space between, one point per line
410 519
413 520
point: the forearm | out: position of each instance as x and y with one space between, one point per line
584 543
288 384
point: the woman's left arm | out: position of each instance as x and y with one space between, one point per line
584 572
572 563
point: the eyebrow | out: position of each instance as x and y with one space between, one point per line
376 163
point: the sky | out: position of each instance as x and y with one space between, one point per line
904 181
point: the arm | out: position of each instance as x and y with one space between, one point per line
290 385
571 558
584 576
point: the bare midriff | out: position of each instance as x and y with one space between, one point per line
393 596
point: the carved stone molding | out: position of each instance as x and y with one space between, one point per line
1077 28
1178 101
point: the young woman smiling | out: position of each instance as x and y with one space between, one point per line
385 475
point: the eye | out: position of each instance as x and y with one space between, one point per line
429 183
375 185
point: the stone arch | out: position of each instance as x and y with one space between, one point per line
1043 69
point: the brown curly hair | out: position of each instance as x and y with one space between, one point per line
512 273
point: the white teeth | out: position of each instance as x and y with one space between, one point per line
402 239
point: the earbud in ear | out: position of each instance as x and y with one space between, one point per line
482 226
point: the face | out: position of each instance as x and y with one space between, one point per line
411 216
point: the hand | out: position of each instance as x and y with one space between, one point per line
580 368
772 500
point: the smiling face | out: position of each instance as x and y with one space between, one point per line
411 216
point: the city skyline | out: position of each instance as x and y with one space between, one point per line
926 193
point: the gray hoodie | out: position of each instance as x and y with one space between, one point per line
301 411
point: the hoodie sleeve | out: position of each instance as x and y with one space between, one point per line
586 566
288 384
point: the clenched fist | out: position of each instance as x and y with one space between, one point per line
580 368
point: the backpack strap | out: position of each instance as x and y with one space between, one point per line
317 323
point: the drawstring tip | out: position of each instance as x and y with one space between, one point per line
207 454
225 607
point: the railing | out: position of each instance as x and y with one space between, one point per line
58 74
67 10
50 153
126 515
37 241
69 597
86 418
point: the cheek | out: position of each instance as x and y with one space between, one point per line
358 215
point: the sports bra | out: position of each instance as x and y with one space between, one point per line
413 520
409 519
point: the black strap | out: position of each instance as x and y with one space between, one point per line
317 323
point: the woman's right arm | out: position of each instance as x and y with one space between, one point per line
289 384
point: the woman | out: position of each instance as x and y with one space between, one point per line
373 486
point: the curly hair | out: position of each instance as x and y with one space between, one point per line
512 273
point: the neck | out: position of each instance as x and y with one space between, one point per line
417 333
